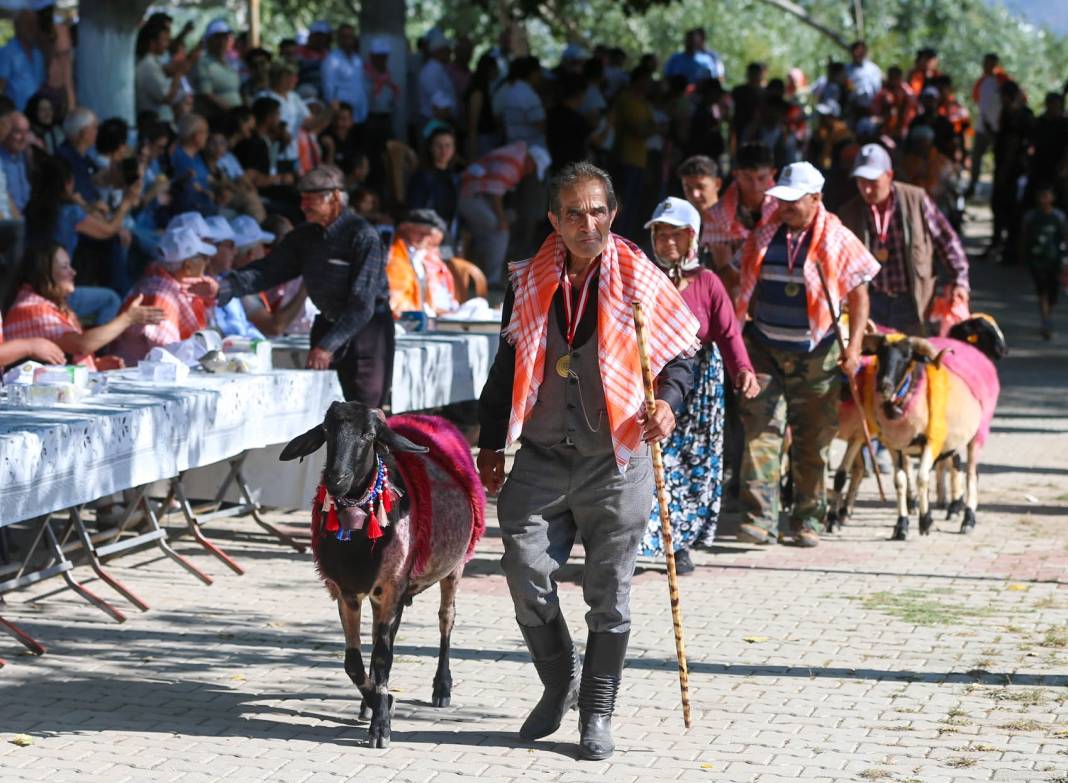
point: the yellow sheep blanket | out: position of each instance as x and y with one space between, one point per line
937 382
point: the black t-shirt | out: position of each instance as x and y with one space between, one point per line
567 133
253 153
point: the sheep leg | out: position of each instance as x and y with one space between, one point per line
910 483
971 504
940 483
349 611
446 617
901 488
388 608
923 488
855 478
956 488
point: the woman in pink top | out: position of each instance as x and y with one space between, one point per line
693 454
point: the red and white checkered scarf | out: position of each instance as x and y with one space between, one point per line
626 276
32 315
184 313
720 225
845 261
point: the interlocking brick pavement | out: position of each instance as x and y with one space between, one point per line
940 659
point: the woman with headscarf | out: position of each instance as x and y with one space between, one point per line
693 453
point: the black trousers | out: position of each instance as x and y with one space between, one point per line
365 364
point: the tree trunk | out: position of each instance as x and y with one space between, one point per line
104 64
386 21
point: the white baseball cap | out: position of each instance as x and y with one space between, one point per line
247 232
217 27
321 26
219 230
676 212
872 162
192 220
797 180
380 46
181 244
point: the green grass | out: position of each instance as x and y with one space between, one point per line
1055 637
920 608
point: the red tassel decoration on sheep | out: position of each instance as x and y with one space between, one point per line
374 530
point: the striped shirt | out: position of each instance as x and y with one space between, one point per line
780 312
495 173
32 315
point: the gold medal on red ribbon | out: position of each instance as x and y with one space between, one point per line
881 254
792 289
563 365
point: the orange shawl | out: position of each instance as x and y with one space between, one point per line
845 261
626 276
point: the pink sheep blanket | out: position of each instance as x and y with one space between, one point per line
978 373
450 452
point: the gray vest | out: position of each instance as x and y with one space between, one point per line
570 410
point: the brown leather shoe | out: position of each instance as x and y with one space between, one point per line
754 534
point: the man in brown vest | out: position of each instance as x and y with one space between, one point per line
904 230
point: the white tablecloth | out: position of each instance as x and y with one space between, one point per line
56 457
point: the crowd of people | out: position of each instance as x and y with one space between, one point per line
117 238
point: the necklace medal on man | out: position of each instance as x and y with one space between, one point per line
573 317
881 219
793 250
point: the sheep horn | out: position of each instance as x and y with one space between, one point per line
871 343
926 350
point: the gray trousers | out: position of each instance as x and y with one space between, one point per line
554 494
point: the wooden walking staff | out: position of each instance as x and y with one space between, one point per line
853 392
665 519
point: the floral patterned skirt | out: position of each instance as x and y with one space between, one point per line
693 463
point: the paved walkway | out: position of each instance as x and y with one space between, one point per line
941 659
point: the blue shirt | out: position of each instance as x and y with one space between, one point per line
84 168
18 181
780 310
66 230
23 74
232 320
184 163
695 67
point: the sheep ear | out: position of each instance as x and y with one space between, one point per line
395 442
871 343
305 444
937 361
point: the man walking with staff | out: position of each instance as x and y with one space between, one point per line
567 384
791 267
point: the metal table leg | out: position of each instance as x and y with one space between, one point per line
65 567
194 526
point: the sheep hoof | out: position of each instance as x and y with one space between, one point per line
365 710
955 508
926 522
441 701
968 525
832 520
901 529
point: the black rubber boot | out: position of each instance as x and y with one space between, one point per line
602 670
554 657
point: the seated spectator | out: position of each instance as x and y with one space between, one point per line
482 189
435 186
230 319
192 180
183 259
418 279
55 213
254 154
22 63
44 122
232 188
218 83
340 141
152 143
41 309
113 152
293 113
258 65
15 159
273 311
13 351
80 128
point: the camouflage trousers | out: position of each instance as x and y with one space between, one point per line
799 390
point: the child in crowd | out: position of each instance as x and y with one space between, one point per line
1042 244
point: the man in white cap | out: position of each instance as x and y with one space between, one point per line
791 341
434 76
168 284
217 81
905 232
343 75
